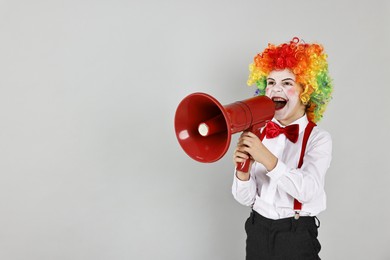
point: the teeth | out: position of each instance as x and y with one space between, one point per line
278 99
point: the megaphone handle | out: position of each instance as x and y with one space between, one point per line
244 166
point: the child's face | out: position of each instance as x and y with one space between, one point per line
284 91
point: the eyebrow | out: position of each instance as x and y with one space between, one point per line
282 79
288 79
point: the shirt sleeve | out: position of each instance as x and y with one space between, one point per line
306 182
244 191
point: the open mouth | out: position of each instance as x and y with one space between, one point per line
279 102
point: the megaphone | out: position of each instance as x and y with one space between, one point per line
204 127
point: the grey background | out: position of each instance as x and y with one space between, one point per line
89 164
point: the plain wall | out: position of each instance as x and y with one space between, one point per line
90 167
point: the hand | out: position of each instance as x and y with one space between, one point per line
250 145
240 156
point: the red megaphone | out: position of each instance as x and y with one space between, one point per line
204 127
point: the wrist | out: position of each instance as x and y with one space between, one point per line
242 176
271 164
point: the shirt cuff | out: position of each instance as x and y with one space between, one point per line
242 183
277 172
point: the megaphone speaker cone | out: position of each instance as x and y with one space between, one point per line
204 127
201 137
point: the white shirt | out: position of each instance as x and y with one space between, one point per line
272 193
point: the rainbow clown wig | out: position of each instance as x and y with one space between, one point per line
307 62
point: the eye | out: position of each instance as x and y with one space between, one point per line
270 83
287 83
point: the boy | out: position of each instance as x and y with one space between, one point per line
285 183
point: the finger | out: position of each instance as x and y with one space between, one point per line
242 135
246 134
241 154
250 134
239 160
243 141
247 142
241 150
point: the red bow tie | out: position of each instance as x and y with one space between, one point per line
273 130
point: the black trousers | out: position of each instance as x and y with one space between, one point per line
283 239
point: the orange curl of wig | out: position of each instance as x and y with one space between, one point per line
308 63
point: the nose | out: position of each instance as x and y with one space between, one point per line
277 88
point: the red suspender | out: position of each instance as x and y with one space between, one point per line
306 135
308 129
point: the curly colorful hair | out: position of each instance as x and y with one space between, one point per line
307 62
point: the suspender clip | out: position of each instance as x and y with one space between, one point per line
296 216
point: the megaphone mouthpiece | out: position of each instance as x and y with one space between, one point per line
212 126
203 129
